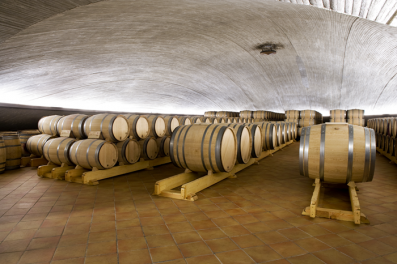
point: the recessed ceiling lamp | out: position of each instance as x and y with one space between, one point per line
268 49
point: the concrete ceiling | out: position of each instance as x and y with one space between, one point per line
189 56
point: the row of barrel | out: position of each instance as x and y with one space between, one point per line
351 116
386 143
218 147
385 126
247 114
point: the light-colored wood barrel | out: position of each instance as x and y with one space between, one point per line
156 126
389 142
294 129
257 141
307 122
220 120
13 151
74 123
246 114
196 119
337 120
259 114
24 135
269 137
113 127
3 155
381 141
149 149
163 146
204 148
357 122
244 141
224 114
35 144
308 114
337 114
355 113
394 142
57 150
94 153
337 153
139 126
288 135
283 131
171 122
129 151
377 136
184 120
210 114
278 133
299 131
292 114
393 129
48 125
229 120
386 145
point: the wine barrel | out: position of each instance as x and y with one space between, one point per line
57 150
156 126
283 131
184 120
386 145
381 141
378 139
292 114
210 114
360 122
288 132
355 113
269 137
337 114
257 141
13 150
229 120
204 148
278 133
299 131
139 126
3 155
294 130
220 120
195 120
337 120
246 114
149 150
393 129
244 141
224 114
94 153
163 146
74 123
35 144
306 122
48 125
24 135
259 114
309 114
171 122
337 153
128 151
113 127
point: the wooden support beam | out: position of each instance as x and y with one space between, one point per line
25 161
45 170
59 172
314 201
354 202
36 162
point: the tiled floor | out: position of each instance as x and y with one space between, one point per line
255 218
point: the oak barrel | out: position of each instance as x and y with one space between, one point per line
74 123
292 114
3 155
113 127
48 125
283 131
244 141
220 120
360 122
246 114
35 144
184 120
139 126
308 114
337 153
306 122
13 150
163 146
259 114
355 113
269 137
204 148
210 114
149 150
257 141
197 119
94 153
24 135
57 150
129 151
171 122
337 120
387 144
337 114
156 125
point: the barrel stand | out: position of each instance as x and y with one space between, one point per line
387 155
33 161
192 182
353 216
53 171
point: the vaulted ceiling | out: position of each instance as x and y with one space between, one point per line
185 56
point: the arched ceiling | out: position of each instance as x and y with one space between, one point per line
189 56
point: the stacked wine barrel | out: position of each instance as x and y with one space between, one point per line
355 117
337 116
386 133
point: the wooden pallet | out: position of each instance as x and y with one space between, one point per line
91 177
354 216
191 182
53 171
387 155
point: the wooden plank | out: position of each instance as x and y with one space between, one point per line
314 201
73 175
354 202
38 162
173 182
335 214
25 161
45 169
172 194
159 161
59 172
190 189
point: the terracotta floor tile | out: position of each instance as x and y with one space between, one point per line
333 256
228 221
187 237
220 245
135 257
130 233
206 224
305 259
278 224
298 221
389 228
77 229
272 237
265 216
103 226
391 257
79 220
287 249
180 227
125 224
377 247
70 240
334 240
170 210
248 241
216 214
257 227
389 240
74 251
212 233
314 230
132 244
311 244
174 218
101 248
35 224
165 253
372 231
236 211
245 219
196 216
262 254
102 259
209 259
334 227
226 206
10 258
155 230
102 236
209 208
37 255
378 260
236 230
357 252
284 214
194 249
149 213
14 245
234 257
148 221
44 242
294 233
160 241
21 234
